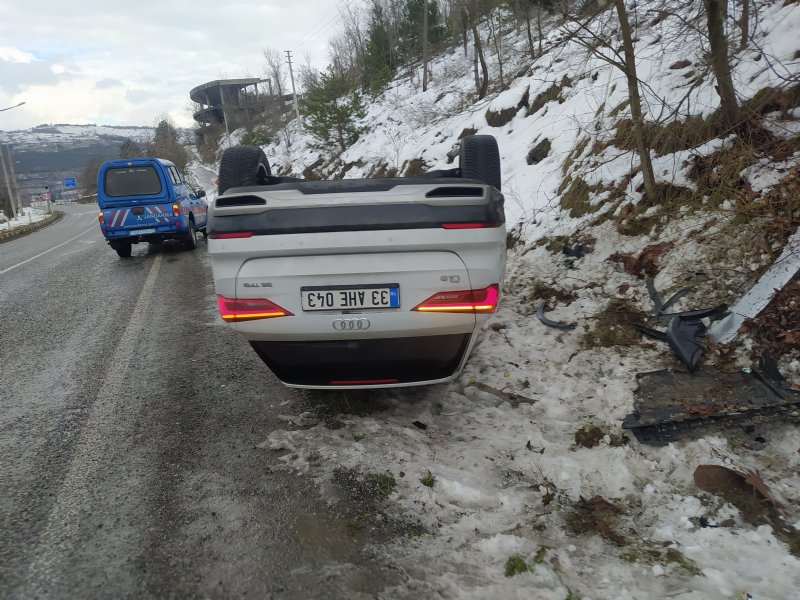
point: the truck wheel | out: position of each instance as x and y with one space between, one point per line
243 166
123 249
479 159
190 240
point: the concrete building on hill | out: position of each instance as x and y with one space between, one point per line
231 103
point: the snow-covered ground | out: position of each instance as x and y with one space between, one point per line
29 215
491 481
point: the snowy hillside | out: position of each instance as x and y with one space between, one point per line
44 136
517 481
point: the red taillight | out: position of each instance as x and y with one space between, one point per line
230 236
468 225
474 301
176 210
249 309
102 218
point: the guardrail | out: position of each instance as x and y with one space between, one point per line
21 230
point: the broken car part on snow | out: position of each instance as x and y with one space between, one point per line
672 403
754 301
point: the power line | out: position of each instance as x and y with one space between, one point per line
331 20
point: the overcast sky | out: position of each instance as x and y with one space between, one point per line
126 63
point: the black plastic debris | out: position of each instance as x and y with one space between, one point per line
576 251
670 404
656 299
705 522
420 425
685 331
653 334
683 336
549 322
712 314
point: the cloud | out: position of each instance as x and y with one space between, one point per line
108 82
84 48
16 77
15 55
138 96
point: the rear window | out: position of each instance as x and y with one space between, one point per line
132 181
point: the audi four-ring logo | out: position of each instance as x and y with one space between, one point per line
351 324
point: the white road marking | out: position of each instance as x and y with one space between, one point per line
27 260
57 539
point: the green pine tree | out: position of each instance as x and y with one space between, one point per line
333 110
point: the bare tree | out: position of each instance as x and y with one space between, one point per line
716 15
523 12
494 25
595 37
471 16
744 24
629 67
347 48
275 69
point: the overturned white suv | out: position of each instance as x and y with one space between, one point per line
363 283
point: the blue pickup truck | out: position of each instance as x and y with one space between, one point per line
148 200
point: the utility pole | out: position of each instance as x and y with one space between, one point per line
20 212
3 150
425 46
294 93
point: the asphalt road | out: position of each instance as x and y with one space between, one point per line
129 420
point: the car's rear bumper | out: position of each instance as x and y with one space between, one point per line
159 235
366 363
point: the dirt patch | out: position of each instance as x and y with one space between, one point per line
614 326
590 436
777 329
310 172
551 94
644 264
500 118
576 199
414 167
539 152
361 499
749 493
596 515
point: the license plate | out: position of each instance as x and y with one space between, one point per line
142 231
350 297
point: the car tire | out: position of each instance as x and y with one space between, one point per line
243 166
123 249
479 158
190 240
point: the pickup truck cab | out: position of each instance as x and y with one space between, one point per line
148 200
361 283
